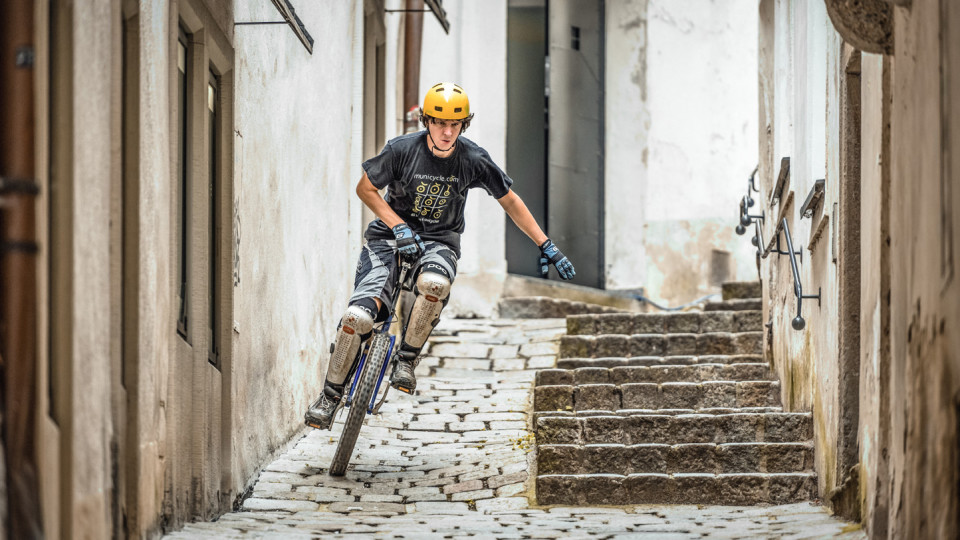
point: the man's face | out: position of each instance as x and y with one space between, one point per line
444 132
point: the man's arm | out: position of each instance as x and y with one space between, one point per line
515 208
549 253
370 196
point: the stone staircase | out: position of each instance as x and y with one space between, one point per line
669 408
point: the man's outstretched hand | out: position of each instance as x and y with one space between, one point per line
551 254
409 243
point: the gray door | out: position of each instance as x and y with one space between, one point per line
526 125
575 134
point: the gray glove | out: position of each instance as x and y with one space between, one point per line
409 243
550 254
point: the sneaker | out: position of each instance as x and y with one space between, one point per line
403 378
320 414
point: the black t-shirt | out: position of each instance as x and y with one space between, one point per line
429 192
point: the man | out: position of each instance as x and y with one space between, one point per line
428 174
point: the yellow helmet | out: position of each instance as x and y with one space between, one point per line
447 101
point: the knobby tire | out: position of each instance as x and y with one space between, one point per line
358 407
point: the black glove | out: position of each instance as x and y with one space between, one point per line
550 254
409 243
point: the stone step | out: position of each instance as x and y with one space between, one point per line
710 458
665 323
672 412
680 488
741 290
656 374
748 304
621 361
668 395
779 427
659 412
541 307
714 343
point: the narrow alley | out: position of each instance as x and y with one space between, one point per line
702 286
456 460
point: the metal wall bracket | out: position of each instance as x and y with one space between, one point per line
752 187
745 218
28 186
782 179
814 198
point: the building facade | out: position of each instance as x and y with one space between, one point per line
858 141
190 169
195 176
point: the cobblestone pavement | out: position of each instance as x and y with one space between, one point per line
456 460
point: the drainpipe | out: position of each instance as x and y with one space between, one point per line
413 32
18 268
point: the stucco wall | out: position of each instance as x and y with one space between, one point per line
874 434
806 104
475 48
155 297
909 380
627 125
88 476
680 142
925 287
296 169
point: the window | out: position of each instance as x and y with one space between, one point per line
183 190
203 187
213 144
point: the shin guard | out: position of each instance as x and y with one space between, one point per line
432 291
356 324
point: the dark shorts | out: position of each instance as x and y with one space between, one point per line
377 268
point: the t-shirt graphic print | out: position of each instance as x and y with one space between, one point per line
428 192
432 196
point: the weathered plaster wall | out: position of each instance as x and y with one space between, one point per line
687 159
925 287
475 48
909 377
156 300
806 105
87 474
296 169
627 124
874 434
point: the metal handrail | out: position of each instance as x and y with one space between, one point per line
751 186
757 240
763 250
746 218
747 202
798 323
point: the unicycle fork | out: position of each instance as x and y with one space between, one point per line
367 379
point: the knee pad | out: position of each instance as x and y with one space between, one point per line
432 292
355 326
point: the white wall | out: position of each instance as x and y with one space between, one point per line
474 55
681 117
296 167
628 128
808 102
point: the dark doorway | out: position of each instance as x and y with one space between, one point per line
555 129
575 135
526 125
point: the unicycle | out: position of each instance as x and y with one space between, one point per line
367 377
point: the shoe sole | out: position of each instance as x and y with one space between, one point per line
310 422
314 425
405 389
